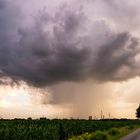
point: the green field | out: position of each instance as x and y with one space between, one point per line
45 129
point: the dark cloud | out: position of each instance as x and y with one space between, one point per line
118 54
61 48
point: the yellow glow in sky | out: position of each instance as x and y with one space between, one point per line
120 99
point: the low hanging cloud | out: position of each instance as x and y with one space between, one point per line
64 46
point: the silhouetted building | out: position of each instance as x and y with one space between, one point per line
90 117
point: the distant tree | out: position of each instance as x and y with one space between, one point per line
138 112
29 118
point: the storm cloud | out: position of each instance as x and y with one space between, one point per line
67 45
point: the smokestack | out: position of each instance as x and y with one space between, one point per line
101 115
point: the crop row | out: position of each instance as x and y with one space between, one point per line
45 129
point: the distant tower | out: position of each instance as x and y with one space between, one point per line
101 114
109 115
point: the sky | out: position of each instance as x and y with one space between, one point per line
69 58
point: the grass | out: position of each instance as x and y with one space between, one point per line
111 134
123 131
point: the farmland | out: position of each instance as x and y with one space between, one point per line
45 129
